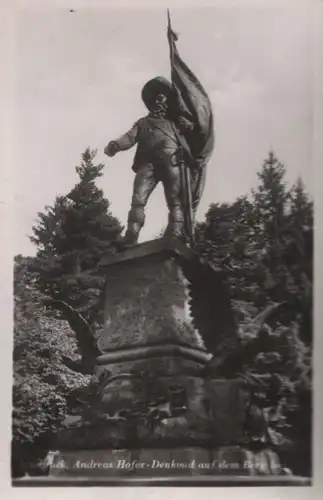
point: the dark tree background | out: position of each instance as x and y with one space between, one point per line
265 243
70 236
263 240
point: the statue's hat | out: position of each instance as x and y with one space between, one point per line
154 87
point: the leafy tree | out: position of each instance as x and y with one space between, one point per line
42 382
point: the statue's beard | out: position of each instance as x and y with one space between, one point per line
160 110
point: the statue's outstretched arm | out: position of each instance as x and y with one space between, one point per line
124 142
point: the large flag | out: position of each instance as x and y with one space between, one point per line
193 100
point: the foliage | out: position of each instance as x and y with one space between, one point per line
41 380
71 236
264 242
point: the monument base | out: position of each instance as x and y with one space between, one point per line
152 409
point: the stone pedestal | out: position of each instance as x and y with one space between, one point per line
146 298
154 404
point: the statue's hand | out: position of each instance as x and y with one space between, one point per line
185 124
111 149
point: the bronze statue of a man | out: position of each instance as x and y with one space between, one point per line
161 151
174 144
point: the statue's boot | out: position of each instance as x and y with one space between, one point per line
175 231
175 228
130 238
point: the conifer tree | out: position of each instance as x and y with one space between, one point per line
71 236
264 242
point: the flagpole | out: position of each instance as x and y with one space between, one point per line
186 197
185 172
189 203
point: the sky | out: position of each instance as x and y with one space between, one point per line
78 84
